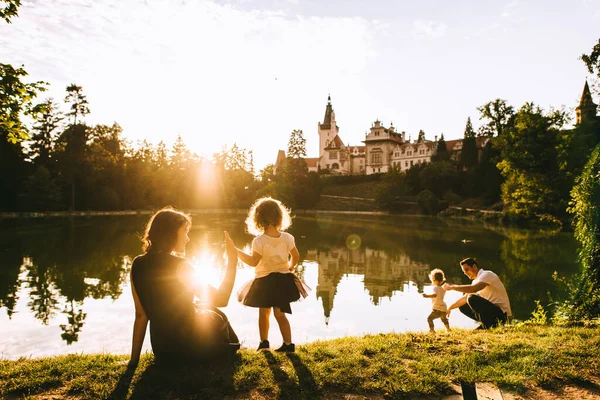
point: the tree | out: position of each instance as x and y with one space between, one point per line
297 144
468 153
16 100
47 121
498 115
529 163
71 158
79 103
592 60
441 152
266 174
585 208
41 191
9 10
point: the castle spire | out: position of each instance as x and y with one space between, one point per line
328 110
587 109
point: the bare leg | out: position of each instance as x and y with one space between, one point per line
284 325
263 323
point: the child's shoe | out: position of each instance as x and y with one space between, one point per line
264 345
287 348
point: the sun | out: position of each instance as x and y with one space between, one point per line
205 272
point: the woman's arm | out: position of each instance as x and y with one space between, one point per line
221 296
295 257
139 328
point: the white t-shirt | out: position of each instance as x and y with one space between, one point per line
494 291
275 253
438 300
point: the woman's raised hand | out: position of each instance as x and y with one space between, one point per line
231 250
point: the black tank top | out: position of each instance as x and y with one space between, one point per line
162 282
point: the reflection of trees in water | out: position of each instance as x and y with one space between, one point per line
531 258
43 295
75 318
11 259
67 260
525 260
71 259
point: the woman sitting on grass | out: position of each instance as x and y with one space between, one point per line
163 289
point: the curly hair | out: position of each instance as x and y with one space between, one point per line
437 275
267 211
161 229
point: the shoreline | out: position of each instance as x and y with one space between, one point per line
64 214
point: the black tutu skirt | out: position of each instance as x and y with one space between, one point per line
273 290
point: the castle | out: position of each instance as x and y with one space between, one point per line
385 149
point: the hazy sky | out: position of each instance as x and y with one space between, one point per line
251 71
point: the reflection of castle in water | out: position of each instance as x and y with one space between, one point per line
383 274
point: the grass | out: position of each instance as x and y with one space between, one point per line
516 359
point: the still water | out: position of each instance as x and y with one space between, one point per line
64 283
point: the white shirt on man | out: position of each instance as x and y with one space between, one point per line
494 292
275 253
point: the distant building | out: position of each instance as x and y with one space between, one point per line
383 149
587 109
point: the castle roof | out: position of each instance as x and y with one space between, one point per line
480 143
312 162
280 157
337 142
328 111
586 97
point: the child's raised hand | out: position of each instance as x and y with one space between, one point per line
231 250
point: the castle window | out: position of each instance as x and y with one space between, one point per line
406 163
333 155
411 163
335 166
376 158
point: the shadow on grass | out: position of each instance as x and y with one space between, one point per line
188 380
306 388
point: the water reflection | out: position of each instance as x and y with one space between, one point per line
61 269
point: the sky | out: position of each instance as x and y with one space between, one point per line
219 72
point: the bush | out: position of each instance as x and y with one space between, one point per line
585 207
429 203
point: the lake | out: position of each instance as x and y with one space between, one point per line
64 282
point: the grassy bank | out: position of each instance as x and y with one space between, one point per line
518 360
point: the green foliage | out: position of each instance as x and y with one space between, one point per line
441 153
297 144
498 115
41 192
539 316
79 103
438 177
9 10
295 186
16 100
47 121
529 163
429 203
469 153
592 60
390 195
585 208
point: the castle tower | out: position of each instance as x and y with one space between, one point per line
328 129
587 108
